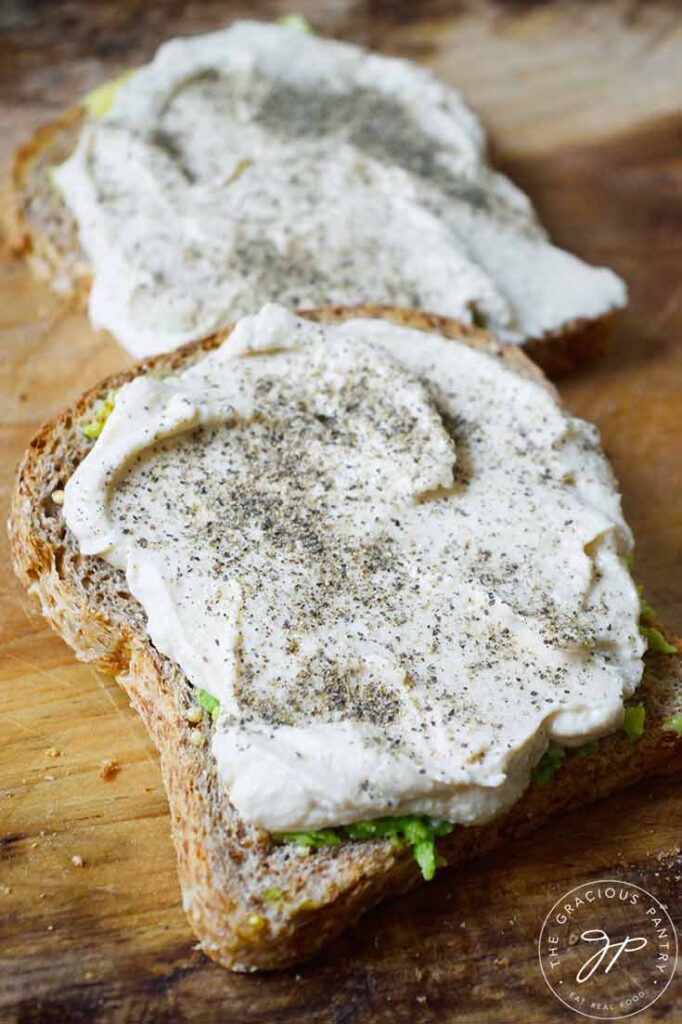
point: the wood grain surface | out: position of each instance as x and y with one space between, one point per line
582 101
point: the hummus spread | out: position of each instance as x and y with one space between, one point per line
397 563
257 164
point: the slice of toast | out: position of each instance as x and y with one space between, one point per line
254 904
42 230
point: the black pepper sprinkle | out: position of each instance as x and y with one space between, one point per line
294 504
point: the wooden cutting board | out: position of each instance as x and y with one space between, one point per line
582 101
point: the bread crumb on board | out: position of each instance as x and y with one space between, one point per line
109 769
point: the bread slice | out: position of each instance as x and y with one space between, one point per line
228 869
42 230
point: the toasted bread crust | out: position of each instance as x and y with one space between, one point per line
42 230
225 866
38 225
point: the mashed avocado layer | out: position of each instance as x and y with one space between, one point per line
100 101
420 832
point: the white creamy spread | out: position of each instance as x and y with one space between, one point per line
399 565
257 164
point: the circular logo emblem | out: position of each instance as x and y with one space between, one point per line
608 949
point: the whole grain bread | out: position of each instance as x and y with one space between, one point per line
41 229
229 870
